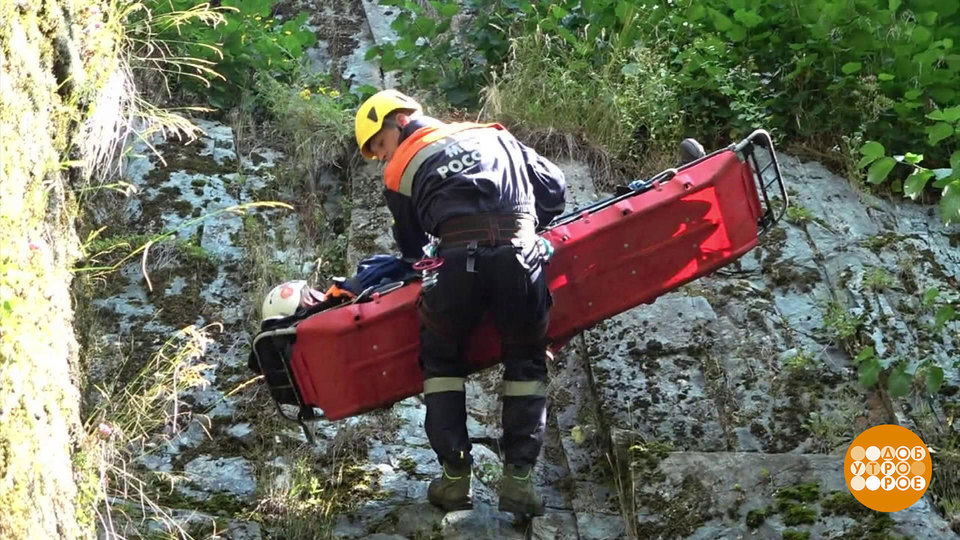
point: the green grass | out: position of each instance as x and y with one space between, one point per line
627 109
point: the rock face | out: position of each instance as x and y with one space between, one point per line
722 410
41 75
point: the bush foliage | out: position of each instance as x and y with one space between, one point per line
834 74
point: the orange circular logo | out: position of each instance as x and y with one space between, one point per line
887 468
286 291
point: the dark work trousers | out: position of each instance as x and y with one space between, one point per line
508 281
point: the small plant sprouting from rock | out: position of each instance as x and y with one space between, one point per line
841 326
755 518
872 369
800 362
826 430
407 465
877 279
792 503
799 215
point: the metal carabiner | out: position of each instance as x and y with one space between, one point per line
427 264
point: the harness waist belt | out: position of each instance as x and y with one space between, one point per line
486 230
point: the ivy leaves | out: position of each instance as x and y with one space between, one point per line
946 179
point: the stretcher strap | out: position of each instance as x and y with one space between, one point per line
435 385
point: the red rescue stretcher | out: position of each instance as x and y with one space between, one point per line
680 225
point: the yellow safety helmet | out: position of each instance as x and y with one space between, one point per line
370 115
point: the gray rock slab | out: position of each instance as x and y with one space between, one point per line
233 475
647 365
723 487
487 473
243 432
412 414
379 18
417 462
413 520
369 234
483 522
555 526
357 69
581 190
575 410
484 403
819 190
244 530
596 526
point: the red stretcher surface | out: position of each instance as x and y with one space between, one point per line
621 253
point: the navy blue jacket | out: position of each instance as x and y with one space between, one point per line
508 178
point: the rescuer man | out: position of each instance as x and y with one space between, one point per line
483 194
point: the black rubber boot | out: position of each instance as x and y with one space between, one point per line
517 493
690 150
451 491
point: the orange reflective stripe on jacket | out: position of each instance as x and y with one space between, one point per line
417 148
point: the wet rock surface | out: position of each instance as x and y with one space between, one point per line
672 420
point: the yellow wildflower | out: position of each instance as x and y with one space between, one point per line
334 93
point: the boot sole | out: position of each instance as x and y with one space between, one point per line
519 508
453 507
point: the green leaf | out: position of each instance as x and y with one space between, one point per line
921 35
928 18
748 18
930 295
950 203
912 158
885 77
916 183
866 161
851 67
737 33
950 115
898 384
558 12
696 12
449 10
568 36
721 22
955 161
869 372
880 169
865 353
894 4
944 177
944 314
872 149
406 45
624 12
938 132
934 379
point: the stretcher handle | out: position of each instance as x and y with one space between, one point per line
746 149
